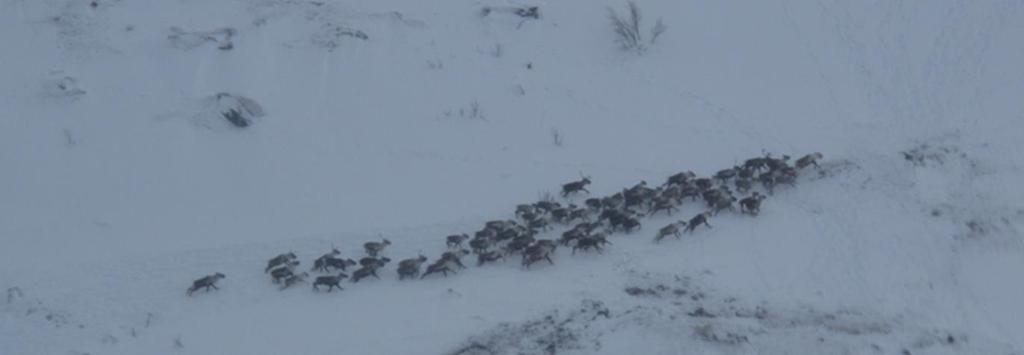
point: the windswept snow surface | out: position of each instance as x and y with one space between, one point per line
120 182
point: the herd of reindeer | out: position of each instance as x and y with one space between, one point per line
592 224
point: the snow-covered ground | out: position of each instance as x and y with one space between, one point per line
120 183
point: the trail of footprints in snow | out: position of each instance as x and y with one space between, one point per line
617 213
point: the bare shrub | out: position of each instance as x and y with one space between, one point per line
556 137
628 31
14 293
473 112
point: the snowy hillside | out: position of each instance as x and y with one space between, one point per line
121 181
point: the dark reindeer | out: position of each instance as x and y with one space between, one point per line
369 270
443 266
808 160
671 229
279 260
489 257
541 250
752 204
373 248
293 279
698 220
340 264
591 242
455 241
410 267
320 264
206 282
330 281
284 271
576 186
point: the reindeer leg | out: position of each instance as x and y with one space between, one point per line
549 259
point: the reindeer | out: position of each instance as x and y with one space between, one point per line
612 202
546 206
540 245
455 241
691 191
441 265
293 279
744 172
513 233
539 224
522 210
723 202
571 235
697 220
623 221
410 267
783 176
663 204
576 186
369 261
500 225
674 193
279 260
541 250
561 215
369 270
579 214
594 204
373 248
330 281
579 231
752 204
671 229
774 164
518 244
768 181
283 271
594 241
320 264
712 196
681 178
786 176
456 257
340 264
205 282
704 184
743 184
480 245
630 224
726 174
490 256
755 164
